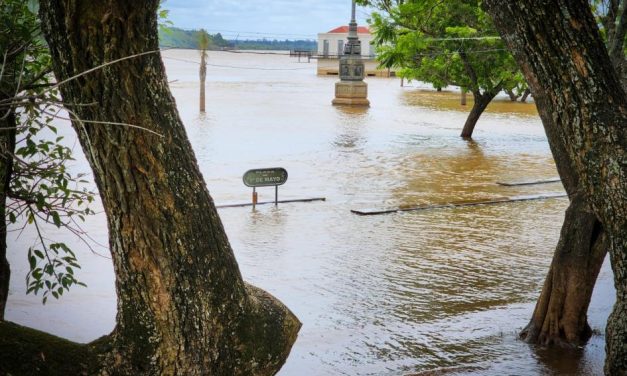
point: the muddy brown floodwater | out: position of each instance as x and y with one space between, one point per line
405 293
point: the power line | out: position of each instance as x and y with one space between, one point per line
234 66
165 48
252 32
287 53
463 38
466 51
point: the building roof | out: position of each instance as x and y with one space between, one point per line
344 29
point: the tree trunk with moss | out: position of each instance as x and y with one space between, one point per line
584 109
183 307
560 316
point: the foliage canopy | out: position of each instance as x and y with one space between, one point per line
443 43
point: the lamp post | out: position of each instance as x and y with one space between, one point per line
351 89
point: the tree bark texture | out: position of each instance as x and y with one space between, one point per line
560 316
183 307
584 110
7 148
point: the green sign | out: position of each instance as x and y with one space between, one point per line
265 177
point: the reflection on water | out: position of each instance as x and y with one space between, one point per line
384 295
448 100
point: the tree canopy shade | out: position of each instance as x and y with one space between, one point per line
445 43
183 307
584 110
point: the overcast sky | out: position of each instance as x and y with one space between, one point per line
256 19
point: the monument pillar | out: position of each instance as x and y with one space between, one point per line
351 89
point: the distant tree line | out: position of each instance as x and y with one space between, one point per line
266 44
178 38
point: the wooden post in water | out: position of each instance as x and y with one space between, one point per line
254 197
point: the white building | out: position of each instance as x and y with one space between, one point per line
331 47
331 43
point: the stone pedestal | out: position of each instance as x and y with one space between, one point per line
352 93
351 90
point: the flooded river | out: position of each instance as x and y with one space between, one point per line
396 294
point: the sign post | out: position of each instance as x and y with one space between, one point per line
265 177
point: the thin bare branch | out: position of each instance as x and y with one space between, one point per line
102 66
4 62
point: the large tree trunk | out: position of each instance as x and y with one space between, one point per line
584 109
7 148
183 307
560 316
481 102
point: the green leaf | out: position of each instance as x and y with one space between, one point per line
37 274
56 218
